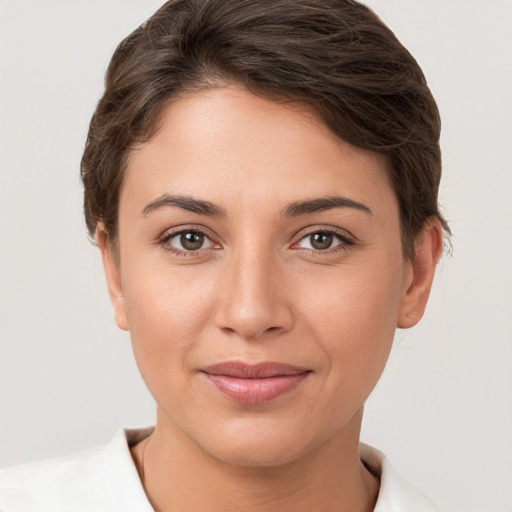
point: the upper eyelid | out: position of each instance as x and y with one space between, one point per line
164 241
171 232
300 235
311 230
211 244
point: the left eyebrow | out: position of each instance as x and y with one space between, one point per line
185 203
321 204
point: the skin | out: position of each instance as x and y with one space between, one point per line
259 290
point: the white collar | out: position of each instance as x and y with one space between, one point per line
395 493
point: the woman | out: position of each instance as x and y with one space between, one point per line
261 179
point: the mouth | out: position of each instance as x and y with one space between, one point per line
255 383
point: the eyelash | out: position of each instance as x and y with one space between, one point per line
343 238
168 236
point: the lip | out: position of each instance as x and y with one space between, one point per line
255 383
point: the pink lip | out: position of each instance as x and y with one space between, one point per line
255 383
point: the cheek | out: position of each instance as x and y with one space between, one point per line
166 313
354 322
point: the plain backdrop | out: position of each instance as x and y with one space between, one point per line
443 409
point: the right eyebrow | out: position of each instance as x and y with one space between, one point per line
322 204
186 203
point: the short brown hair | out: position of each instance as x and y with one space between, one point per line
336 56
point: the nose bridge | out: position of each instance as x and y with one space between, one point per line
253 296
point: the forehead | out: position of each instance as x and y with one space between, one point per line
227 143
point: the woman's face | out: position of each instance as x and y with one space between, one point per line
249 234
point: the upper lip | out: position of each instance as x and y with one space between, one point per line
264 370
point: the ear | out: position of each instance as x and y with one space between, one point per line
113 276
428 246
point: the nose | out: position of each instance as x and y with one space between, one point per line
253 300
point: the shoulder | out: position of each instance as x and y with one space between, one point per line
395 493
92 481
50 484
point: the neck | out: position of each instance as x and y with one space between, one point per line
179 475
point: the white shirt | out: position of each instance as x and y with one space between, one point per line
105 479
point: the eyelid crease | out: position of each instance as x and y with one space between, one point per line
186 228
345 238
311 230
169 234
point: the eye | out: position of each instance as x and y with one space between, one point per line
188 241
323 241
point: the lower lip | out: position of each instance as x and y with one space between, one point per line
256 391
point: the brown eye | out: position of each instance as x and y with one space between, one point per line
321 241
189 241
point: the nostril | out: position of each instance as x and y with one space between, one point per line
251 311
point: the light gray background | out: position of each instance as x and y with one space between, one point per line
443 410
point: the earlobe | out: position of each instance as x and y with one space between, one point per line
112 276
428 247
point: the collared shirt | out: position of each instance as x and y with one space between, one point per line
105 479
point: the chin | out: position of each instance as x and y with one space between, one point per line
257 444
256 453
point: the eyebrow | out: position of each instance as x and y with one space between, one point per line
321 204
292 210
186 203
